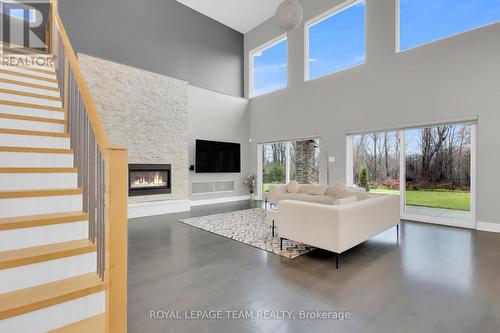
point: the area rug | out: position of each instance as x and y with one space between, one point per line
248 227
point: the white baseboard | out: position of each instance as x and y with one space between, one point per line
218 200
152 208
488 226
142 209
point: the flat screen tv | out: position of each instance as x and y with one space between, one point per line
217 157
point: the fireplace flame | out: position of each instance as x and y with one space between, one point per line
156 181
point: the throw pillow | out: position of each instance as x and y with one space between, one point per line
293 187
316 190
345 200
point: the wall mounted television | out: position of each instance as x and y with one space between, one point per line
217 157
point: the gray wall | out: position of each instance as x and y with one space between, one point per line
453 78
215 116
162 36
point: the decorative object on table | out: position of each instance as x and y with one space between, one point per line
251 181
249 227
289 14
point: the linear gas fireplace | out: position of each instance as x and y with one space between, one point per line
147 179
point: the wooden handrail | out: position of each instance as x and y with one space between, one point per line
115 182
99 130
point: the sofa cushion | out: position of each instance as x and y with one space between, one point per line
293 187
336 191
359 195
316 190
295 196
304 189
321 199
346 200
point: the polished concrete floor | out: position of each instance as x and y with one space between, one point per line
437 279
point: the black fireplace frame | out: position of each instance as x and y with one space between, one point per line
150 191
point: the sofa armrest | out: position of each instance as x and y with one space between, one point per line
364 219
275 193
309 223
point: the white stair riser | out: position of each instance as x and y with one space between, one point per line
31 100
31 125
48 234
33 141
20 87
13 76
33 181
35 160
27 276
56 316
23 70
40 205
28 64
22 111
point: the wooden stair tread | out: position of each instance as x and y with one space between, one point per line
33 133
31 299
31 118
39 193
36 150
29 94
38 170
96 324
32 106
36 254
18 222
27 84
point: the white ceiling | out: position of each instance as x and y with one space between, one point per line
241 15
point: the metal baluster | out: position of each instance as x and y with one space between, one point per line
87 156
92 187
85 160
103 230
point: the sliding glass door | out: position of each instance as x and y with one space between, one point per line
297 160
438 172
274 164
376 159
430 167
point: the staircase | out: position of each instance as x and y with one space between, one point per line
48 265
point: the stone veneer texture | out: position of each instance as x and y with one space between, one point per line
144 112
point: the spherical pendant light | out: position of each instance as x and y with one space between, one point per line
289 14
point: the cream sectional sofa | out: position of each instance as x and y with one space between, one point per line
310 193
341 226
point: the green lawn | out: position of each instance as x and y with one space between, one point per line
266 186
457 200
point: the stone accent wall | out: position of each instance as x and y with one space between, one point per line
144 112
306 162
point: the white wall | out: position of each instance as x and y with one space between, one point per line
452 78
218 117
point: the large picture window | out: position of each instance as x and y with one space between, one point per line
430 167
425 21
335 41
297 160
269 67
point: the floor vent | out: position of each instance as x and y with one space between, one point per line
212 187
